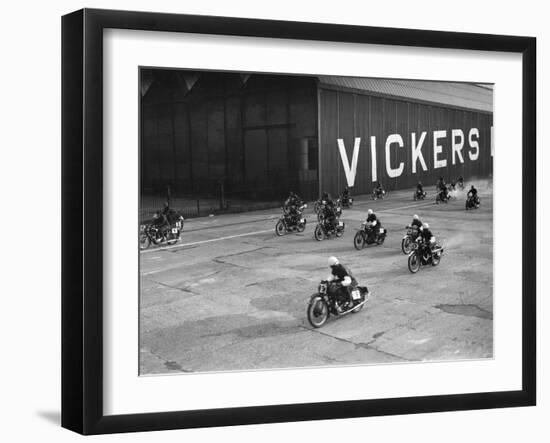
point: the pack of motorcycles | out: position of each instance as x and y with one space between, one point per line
328 299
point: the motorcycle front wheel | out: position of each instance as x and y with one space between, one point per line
414 263
359 241
318 233
436 258
317 312
406 245
301 227
144 241
280 228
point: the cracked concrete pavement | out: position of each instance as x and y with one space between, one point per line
232 295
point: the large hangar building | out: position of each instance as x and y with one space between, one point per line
263 135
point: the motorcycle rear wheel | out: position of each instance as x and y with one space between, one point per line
280 228
413 263
317 312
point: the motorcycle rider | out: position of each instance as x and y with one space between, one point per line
343 276
160 221
419 189
329 210
426 237
345 196
291 205
378 189
460 182
169 213
416 222
442 188
473 193
372 222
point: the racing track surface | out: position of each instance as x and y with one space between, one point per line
232 295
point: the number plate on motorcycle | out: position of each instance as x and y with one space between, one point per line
174 230
340 223
356 294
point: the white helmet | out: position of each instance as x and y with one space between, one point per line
333 261
369 211
425 225
415 217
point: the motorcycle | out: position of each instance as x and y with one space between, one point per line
410 237
422 255
378 193
328 299
472 202
289 223
152 234
460 185
367 235
346 202
325 229
443 196
419 195
322 214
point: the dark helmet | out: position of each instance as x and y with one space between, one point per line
325 195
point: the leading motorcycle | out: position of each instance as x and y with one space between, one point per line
329 300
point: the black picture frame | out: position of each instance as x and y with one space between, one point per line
82 218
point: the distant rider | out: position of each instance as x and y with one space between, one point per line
472 193
345 196
442 188
378 189
339 274
419 189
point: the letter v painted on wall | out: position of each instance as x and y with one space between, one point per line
350 170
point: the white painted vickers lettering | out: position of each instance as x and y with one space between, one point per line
395 142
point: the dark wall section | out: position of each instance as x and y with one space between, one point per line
347 116
256 133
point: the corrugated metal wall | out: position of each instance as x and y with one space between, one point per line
345 115
248 130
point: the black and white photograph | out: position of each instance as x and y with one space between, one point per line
297 221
